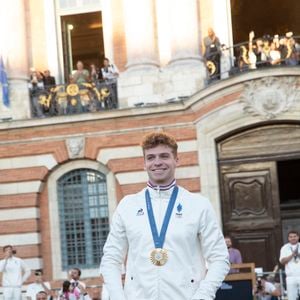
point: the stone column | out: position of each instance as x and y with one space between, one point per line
137 84
140 34
222 21
186 68
185 42
14 50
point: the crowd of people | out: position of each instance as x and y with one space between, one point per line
15 273
256 53
86 90
270 51
268 286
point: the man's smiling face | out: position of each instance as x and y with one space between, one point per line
160 164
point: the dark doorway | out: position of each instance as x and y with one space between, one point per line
82 37
289 191
264 17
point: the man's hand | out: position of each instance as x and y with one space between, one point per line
82 289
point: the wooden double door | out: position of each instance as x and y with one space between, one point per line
251 205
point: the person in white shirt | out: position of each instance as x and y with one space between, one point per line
275 56
168 234
75 274
265 289
14 273
37 286
290 258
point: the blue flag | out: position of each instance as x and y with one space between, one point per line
4 83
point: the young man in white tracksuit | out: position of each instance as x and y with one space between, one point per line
14 273
174 246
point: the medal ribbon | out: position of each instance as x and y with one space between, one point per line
160 239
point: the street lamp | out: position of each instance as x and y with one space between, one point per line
69 41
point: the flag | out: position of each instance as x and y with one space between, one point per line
4 83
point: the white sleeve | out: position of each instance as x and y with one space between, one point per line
115 250
284 252
2 264
104 294
269 287
47 284
215 253
115 68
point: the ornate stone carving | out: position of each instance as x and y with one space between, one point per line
270 96
75 147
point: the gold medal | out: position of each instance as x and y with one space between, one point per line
159 256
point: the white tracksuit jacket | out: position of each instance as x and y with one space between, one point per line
193 241
12 269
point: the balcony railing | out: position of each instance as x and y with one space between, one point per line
68 99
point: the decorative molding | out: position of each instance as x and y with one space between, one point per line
75 147
270 96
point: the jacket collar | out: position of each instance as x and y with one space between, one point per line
161 187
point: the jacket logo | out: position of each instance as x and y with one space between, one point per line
179 211
140 212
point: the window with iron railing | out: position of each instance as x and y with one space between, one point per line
84 217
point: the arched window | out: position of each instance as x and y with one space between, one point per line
83 217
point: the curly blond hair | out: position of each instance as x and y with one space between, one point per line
154 139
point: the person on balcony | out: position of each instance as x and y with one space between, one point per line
252 58
95 73
49 81
81 75
265 55
110 74
212 51
36 88
291 58
275 56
